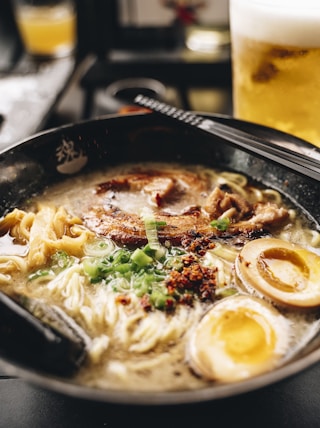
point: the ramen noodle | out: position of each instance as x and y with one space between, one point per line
142 257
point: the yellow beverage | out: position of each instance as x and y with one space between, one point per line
276 61
47 31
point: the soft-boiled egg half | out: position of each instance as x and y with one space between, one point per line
239 337
282 271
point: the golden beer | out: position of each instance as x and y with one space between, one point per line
47 30
276 64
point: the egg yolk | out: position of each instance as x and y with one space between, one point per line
239 337
283 269
246 337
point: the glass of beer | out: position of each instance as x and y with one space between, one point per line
47 27
275 63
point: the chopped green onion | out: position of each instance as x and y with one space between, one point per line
161 300
174 263
120 284
160 224
152 233
141 258
92 267
151 227
40 273
99 247
60 261
143 284
221 224
123 268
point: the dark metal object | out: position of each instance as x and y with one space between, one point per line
249 142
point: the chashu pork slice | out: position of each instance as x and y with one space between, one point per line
182 202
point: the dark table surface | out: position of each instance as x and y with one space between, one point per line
28 95
293 403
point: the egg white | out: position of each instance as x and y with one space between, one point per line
222 348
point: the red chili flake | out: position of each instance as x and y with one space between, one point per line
186 299
198 244
188 259
158 200
193 280
170 305
146 303
123 299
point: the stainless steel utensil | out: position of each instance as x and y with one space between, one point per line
262 147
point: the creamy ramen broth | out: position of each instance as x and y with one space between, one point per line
137 341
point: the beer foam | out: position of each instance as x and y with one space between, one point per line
287 22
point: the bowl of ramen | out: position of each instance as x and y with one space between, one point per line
145 263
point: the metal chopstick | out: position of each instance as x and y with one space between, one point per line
262 147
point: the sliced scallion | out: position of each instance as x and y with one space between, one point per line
221 224
99 247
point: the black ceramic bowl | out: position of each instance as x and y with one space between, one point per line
54 155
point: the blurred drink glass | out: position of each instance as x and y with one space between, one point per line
276 64
47 27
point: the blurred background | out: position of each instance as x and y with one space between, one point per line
174 50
